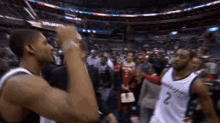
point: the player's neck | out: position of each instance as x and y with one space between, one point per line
182 73
32 65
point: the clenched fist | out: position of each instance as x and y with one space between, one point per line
67 34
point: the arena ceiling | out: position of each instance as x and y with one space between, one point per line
117 27
125 4
122 4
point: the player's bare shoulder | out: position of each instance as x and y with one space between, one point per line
20 88
12 98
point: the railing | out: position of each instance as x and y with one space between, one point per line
123 15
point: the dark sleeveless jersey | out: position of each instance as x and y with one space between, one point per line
31 118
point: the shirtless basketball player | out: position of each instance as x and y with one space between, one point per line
25 94
179 88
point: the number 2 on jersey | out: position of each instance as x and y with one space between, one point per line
166 101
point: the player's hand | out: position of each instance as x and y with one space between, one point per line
67 34
112 118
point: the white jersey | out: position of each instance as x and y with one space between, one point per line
175 100
14 72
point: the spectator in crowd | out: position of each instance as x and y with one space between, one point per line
219 70
199 67
159 62
144 64
105 72
4 66
212 67
109 60
117 75
167 64
9 57
148 97
135 85
128 69
93 58
59 79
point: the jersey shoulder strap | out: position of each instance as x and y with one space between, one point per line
167 72
12 73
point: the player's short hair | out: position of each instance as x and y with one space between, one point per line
19 37
191 53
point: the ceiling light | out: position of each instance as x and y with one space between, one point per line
213 29
174 33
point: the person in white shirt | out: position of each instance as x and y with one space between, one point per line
93 58
212 67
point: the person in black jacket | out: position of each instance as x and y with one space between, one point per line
59 78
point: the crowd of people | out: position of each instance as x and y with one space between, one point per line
154 86
136 71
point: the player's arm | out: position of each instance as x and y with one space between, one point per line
153 79
35 94
78 105
200 89
156 79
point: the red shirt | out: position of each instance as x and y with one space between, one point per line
127 72
117 66
209 77
154 79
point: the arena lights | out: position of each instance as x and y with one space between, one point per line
213 29
72 18
51 24
46 23
93 31
123 15
174 33
83 30
12 18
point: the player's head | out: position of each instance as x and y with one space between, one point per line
182 59
104 59
130 56
27 43
144 59
195 63
138 73
94 53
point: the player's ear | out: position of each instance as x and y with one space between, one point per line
29 48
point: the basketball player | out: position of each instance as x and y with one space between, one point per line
25 95
180 87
